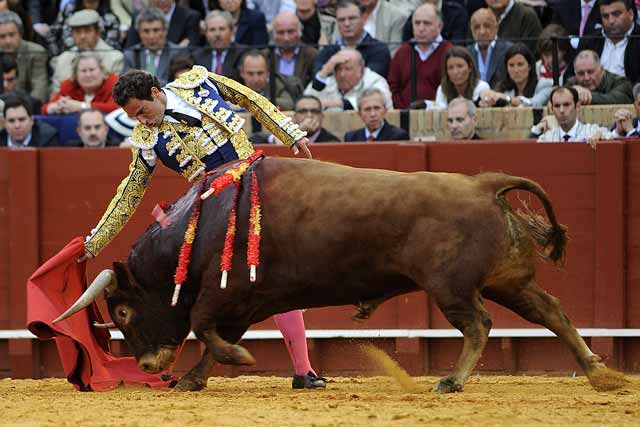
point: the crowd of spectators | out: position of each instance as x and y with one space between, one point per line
63 57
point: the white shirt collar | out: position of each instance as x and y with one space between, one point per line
624 39
375 133
491 45
573 132
370 25
25 143
506 11
175 103
434 45
169 15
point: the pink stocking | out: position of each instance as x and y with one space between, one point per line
291 324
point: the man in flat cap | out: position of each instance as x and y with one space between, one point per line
85 30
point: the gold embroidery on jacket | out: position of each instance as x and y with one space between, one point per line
122 206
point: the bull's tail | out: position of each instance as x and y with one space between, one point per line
551 237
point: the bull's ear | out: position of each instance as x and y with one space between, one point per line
123 276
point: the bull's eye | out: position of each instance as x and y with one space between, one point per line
122 313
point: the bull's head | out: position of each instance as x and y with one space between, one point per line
153 330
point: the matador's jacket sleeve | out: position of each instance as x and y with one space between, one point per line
189 85
123 205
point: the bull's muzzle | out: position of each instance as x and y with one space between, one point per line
158 362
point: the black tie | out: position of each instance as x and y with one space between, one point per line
566 137
183 118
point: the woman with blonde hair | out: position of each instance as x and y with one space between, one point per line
90 86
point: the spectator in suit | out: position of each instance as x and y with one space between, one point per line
455 20
10 83
154 52
626 125
565 106
21 130
221 55
372 112
342 80
352 34
544 66
255 74
577 17
59 37
462 120
429 52
183 24
384 22
488 51
618 51
516 21
459 78
309 116
595 85
86 34
31 58
317 28
291 57
250 25
93 130
90 86
521 86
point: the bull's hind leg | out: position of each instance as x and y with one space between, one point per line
469 316
537 306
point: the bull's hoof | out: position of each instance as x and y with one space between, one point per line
447 385
235 355
190 383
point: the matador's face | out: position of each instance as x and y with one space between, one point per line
149 113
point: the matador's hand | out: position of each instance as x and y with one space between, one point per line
86 256
302 145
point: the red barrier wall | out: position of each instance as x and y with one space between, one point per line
48 197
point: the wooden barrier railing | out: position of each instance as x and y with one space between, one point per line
47 197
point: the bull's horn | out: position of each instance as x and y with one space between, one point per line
104 325
99 284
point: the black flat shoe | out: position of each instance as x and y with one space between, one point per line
310 380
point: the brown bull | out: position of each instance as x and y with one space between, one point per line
334 235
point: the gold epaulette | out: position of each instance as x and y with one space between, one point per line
191 79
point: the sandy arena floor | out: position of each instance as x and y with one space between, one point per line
365 401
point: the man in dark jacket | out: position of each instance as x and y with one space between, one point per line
20 128
222 54
595 85
619 34
372 111
488 51
516 21
626 126
184 24
352 34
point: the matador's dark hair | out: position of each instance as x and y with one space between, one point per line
134 84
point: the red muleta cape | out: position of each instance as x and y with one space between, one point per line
83 349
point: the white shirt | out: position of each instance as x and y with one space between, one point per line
424 55
612 57
25 143
441 99
580 132
175 103
374 134
370 25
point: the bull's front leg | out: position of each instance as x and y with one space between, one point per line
217 350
